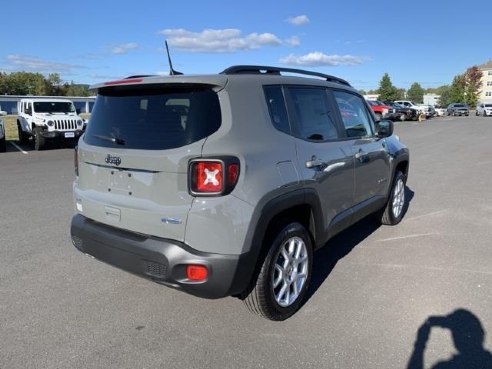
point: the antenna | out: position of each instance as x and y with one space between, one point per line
172 72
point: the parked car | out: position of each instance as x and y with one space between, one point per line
484 109
401 112
428 110
3 143
440 112
380 109
458 109
48 119
185 181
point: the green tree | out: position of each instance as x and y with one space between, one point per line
23 83
386 89
416 93
457 90
473 77
444 95
76 90
54 85
400 93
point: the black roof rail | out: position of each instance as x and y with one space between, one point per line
263 69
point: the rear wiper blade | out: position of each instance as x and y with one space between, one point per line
118 141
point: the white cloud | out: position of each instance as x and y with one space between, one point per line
33 64
300 20
218 40
124 48
293 41
317 58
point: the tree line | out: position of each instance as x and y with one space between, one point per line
464 89
26 83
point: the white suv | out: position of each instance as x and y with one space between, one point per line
484 109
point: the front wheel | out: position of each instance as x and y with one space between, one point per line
39 140
394 209
284 277
403 117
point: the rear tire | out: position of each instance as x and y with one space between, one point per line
395 207
23 137
284 278
39 140
3 144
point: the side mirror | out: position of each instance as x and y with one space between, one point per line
384 128
2 113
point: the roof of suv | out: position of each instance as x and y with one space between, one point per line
272 74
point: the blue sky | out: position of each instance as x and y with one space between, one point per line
92 41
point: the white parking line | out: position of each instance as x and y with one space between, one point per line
409 236
19 148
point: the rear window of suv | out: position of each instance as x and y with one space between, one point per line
159 117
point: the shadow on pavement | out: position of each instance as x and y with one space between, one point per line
341 245
468 337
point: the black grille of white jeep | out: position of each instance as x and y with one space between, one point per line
65 124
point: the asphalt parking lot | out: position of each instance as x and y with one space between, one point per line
373 286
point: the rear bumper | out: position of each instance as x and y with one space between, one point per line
161 260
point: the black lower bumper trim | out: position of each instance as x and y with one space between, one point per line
162 260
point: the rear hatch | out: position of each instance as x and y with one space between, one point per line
134 155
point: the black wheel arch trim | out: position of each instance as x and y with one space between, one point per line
266 212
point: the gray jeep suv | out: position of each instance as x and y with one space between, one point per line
224 185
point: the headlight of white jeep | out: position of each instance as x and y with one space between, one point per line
50 123
80 122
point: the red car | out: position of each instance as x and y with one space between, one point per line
379 108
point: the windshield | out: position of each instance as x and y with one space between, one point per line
154 118
53 107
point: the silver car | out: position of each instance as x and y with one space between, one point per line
224 185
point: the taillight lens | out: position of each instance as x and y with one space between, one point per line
212 177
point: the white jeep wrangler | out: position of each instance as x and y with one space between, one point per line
48 119
3 145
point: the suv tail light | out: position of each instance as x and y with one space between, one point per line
213 177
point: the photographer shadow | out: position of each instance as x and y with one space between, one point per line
468 337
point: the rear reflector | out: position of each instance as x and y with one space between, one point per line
197 273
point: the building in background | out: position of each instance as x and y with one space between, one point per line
486 90
431 99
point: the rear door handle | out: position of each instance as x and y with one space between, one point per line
315 163
361 156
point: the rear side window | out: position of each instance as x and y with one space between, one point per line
355 115
154 118
312 114
276 106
